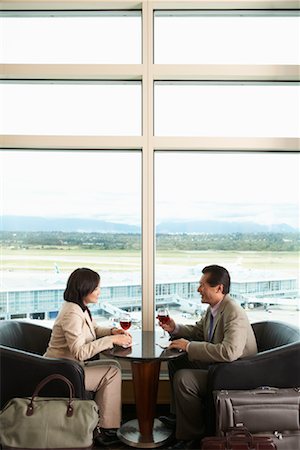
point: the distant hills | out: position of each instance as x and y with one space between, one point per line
27 223
219 227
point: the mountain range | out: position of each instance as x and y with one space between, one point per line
30 223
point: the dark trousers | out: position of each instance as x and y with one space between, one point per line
188 388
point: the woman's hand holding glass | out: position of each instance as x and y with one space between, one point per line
123 339
125 322
116 330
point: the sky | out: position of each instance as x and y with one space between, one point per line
263 188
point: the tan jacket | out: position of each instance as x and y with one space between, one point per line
76 336
232 337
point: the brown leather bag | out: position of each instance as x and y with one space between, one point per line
238 438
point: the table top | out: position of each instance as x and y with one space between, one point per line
147 346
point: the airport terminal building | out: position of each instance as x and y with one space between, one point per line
44 303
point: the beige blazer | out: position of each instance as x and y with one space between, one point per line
232 336
76 336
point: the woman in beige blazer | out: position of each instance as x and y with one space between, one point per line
77 336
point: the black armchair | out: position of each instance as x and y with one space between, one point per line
22 365
276 364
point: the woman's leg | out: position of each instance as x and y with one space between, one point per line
106 382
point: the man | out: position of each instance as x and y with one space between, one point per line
224 334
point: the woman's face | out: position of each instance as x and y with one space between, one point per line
93 296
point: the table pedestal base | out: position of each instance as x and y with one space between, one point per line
130 434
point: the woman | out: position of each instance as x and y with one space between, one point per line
76 335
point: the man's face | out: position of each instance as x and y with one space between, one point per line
209 294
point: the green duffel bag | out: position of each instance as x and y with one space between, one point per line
48 422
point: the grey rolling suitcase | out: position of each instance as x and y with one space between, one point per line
263 411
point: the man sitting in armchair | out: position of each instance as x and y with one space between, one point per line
224 334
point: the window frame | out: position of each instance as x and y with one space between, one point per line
148 73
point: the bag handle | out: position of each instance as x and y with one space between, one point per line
55 376
238 432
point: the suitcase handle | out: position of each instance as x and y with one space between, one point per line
264 389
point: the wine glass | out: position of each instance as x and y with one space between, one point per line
163 317
125 321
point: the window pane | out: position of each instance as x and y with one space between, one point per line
62 210
71 38
226 38
100 108
237 210
227 109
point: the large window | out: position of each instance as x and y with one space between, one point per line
226 37
227 109
62 210
216 208
111 37
60 108
146 142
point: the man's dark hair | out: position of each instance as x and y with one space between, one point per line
218 275
81 283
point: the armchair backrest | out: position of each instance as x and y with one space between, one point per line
270 334
22 365
24 336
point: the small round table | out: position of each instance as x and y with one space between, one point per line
145 357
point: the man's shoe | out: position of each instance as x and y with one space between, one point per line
169 421
106 436
181 445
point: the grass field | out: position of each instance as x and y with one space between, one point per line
68 259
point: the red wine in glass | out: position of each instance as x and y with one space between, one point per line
163 317
125 322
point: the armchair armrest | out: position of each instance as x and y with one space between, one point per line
21 371
278 367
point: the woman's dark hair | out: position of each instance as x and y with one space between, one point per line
81 283
218 275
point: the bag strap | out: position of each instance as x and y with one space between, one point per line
55 376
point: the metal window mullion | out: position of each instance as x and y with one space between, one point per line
71 142
223 72
101 5
72 72
226 144
148 290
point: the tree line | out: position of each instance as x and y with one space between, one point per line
287 242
